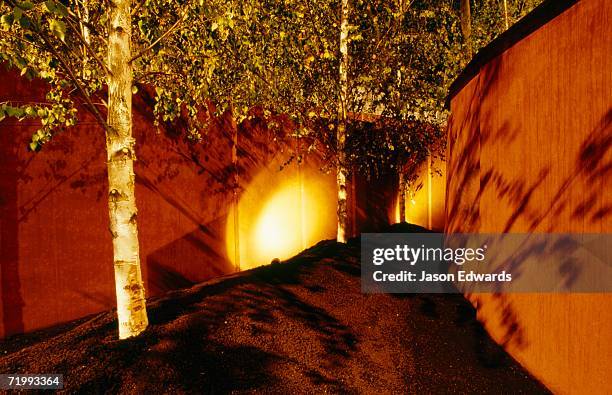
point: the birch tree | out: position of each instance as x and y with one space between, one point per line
341 171
86 53
489 18
282 56
292 57
326 63
466 26
131 304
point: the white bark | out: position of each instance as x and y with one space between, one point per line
466 25
506 14
353 217
429 193
341 173
302 193
83 20
131 308
402 197
235 196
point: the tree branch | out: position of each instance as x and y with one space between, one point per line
89 49
51 48
137 8
160 38
87 24
23 39
85 95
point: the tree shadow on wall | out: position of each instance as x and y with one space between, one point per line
476 132
203 182
28 183
591 169
196 257
69 174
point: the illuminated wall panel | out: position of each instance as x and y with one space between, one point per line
426 198
530 150
281 212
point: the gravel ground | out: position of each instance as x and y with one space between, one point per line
300 326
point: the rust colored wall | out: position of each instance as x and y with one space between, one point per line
426 198
56 260
56 256
530 150
56 251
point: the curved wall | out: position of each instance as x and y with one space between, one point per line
530 150
55 248
425 200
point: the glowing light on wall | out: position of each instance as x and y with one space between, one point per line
280 214
425 206
416 209
280 224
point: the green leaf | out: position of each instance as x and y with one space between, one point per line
50 6
58 28
24 22
30 111
14 111
61 9
17 13
56 8
7 21
26 5
141 27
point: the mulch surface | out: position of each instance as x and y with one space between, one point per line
301 326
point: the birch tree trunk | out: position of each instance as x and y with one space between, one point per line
341 171
131 308
506 13
235 196
466 26
402 197
83 20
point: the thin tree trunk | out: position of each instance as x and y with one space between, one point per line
235 181
83 19
353 218
341 173
131 308
506 13
302 192
429 193
402 197
466 26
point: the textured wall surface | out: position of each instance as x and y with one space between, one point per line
56 254
530 150
425 198
56 251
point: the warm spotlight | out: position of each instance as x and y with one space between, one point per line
280 214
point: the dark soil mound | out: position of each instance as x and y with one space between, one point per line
301 326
